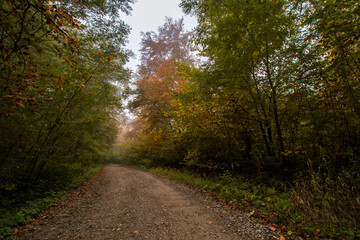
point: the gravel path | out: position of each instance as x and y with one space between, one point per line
132 204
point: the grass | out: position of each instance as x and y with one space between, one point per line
21 203
278 208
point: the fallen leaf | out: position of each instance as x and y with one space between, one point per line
211 222
224 211
52 229
251 213
272 229
135 232
282 237
317 231
208 207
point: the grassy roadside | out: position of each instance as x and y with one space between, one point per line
272 206
19 205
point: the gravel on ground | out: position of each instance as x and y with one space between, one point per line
126 203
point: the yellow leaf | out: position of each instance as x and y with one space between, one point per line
282 237
20 104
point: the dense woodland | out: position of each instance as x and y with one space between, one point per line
61 74
267 90
62 80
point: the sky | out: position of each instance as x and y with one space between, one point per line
148 15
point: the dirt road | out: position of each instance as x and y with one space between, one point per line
132 204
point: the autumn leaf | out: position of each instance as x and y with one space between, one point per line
251 213
136 231
210 223
20 104
282 237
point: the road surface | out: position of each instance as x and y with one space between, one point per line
126 203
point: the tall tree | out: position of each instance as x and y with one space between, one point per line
158 83
59 64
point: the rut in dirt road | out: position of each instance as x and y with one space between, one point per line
132 204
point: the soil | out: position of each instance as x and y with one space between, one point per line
126 203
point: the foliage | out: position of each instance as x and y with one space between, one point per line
273 97
20 206
154 141
59 102
273 206
62 80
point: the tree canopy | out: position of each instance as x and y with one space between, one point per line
62 64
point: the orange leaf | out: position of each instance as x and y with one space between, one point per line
20 104
282 237
136 231
211 222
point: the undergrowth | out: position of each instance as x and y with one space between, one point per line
20 203
278 208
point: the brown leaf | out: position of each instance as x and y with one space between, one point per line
282 237
251 213
272 229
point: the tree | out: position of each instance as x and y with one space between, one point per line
58 100
157 84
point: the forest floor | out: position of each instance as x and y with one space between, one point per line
125 203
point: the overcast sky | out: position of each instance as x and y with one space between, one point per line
148 15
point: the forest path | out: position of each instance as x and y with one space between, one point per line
127 203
